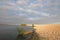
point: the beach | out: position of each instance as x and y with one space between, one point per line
48 31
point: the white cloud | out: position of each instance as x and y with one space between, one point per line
35 5
21 9
45 14
11 4
32 5
39 0
31 11
27 10
21 14
30 18
20 2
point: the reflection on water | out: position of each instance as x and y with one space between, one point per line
20 37
9 32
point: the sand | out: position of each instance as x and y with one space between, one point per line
48 31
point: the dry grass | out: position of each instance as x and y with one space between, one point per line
48 31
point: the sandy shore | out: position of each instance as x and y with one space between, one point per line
48 31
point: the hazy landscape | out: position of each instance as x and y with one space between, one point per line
44 31
39 19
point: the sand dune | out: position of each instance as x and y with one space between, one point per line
48 31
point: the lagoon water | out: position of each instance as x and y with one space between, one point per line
9 32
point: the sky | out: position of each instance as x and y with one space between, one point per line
29 11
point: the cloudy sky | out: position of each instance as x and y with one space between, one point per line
29 11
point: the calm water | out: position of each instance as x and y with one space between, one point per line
9 32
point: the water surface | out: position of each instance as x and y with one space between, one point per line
9 32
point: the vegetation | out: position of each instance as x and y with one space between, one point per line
33 25
23 25
20 31
35 36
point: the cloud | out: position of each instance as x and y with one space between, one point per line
11 4
21 18
34 18
45 14
56 23
29 11
35 5
20 2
